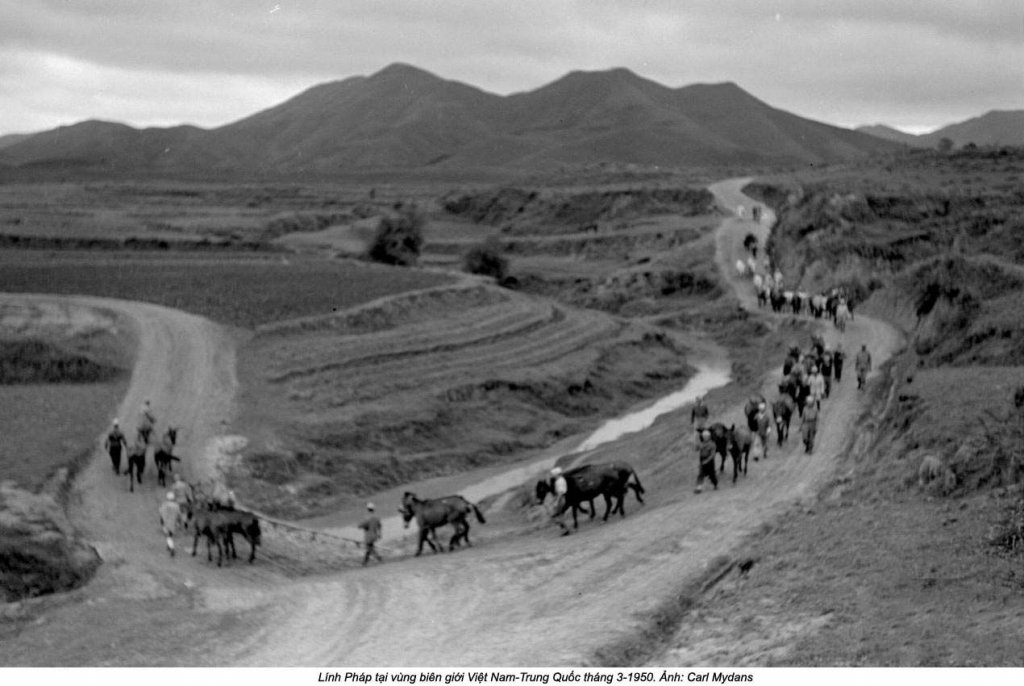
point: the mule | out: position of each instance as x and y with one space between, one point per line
164 457
782 410
720 437
219 528
741 440
586 482
750 410
432 514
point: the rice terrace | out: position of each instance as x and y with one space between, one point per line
472 321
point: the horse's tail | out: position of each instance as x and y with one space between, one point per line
479 514
637 486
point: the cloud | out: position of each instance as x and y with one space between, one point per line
839 61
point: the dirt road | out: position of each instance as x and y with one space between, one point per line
522 596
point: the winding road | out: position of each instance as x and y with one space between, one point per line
522 596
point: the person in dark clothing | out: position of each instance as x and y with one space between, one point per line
115 445
862 364
838 357
809 427
826 363
371 526
706 455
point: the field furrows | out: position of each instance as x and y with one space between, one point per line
389 312
519 354
359 351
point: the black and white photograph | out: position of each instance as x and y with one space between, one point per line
541 341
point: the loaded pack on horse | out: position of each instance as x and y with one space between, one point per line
586 482
431 514
164 455
751 408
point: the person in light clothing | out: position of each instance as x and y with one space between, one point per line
558 509
170 513
371 527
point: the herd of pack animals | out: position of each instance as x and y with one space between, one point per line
214 517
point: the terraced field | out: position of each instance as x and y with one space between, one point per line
362 397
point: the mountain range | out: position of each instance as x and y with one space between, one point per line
998 127
404 118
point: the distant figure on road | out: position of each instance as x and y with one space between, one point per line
699 415
183 494
706 456
809 427
115 444
816 388
147 420
838 357
739 211
371 526
170 513
559 510
863 365
764 427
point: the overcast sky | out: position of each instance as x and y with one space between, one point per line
912 64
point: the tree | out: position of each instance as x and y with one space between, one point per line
486 259
945 144
399 237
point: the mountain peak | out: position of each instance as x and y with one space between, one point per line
403 71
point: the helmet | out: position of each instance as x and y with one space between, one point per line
814 369
170 495
115 421
370 507
761 406
556 471
705 433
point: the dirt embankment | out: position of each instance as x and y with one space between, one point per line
523 212
54 359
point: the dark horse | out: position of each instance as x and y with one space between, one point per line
219 528
136 464
586 482
164 458
782 410
431 514
741 439
720 437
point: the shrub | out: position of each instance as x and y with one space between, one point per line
399 237
486 259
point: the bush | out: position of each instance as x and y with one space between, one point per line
486 259
399 237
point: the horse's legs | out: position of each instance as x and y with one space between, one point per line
425 536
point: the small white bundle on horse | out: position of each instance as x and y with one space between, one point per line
586 482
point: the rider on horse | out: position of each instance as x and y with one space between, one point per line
147 420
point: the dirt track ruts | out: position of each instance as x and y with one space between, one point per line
531 599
